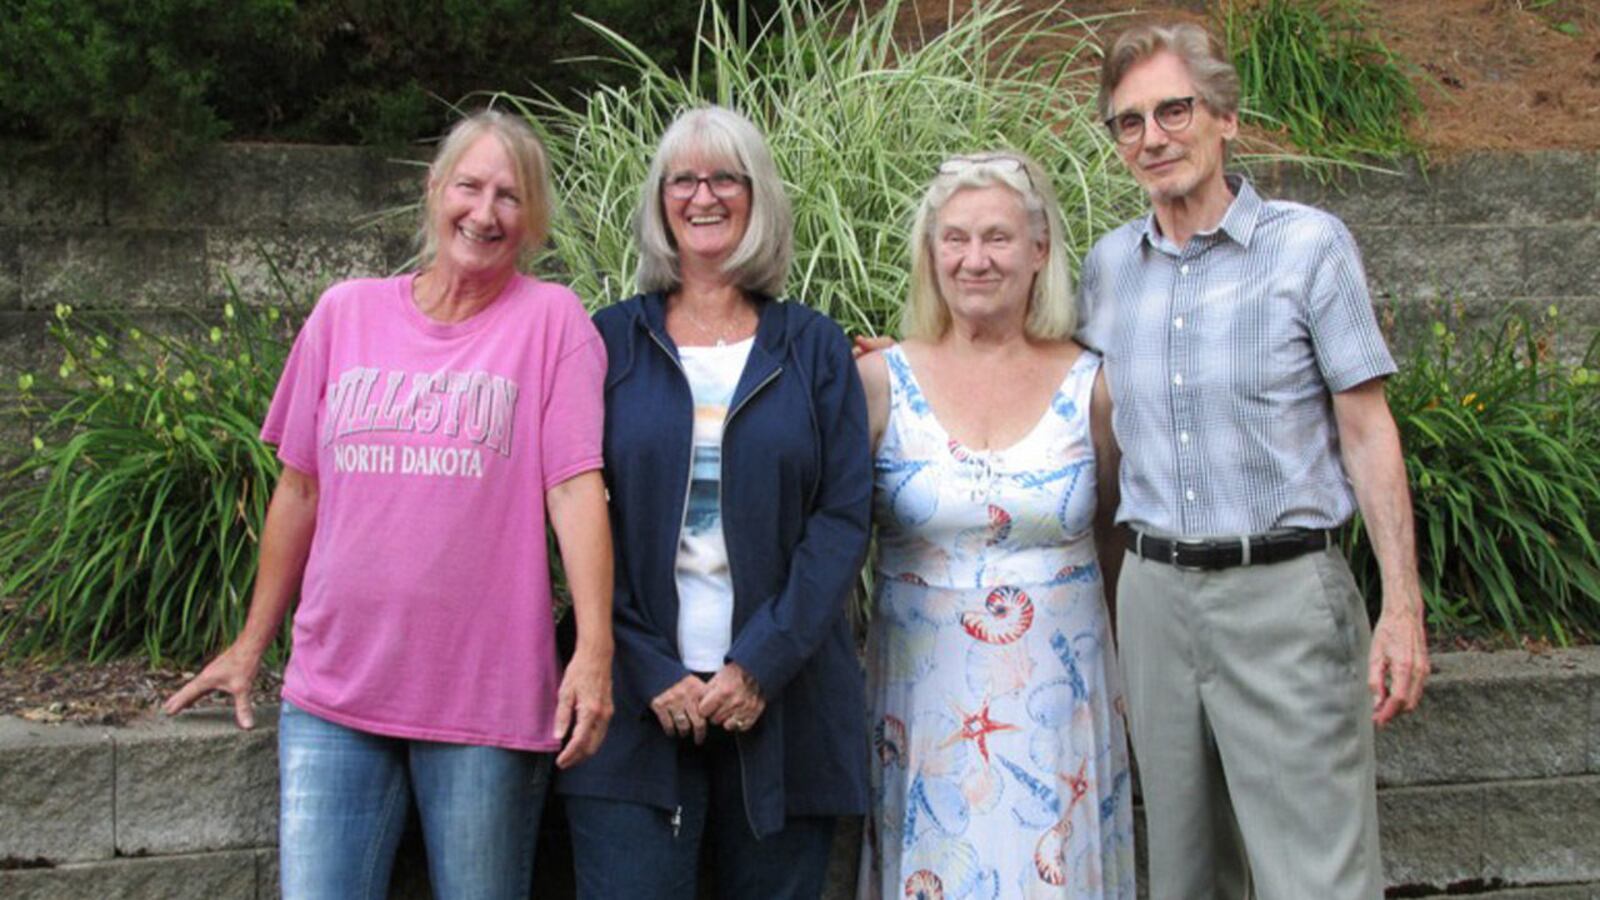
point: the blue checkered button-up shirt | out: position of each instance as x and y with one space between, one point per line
1222 359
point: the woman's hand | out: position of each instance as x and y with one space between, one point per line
577 512
285 544
234 672
861 345
583 704
732 699
678 709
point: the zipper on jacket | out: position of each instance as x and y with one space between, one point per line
722 474
688 486
738 738
688 481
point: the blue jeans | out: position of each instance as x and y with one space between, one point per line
343 798
632 850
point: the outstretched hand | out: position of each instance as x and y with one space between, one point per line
234 672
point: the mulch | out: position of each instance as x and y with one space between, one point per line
119 692
110 693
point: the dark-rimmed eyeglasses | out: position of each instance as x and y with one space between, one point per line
723 184
1171 116
955 165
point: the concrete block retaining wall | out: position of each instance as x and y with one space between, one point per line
1487 229
1492 790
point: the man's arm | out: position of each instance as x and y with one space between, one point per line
1370 444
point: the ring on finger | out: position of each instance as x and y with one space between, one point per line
736 724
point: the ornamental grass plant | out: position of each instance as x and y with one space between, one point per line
859 112
132 526
1502 443
1318 70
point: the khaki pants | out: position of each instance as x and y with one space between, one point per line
1252 729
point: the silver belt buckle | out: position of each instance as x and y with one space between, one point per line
1173 560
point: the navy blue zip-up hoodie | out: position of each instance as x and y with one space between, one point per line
796 508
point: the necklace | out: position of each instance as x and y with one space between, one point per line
730 326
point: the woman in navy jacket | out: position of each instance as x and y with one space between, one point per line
737 459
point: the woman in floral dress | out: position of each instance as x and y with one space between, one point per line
1001 765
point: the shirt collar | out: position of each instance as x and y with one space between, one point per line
1238 223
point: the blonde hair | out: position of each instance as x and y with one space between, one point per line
761 261
530 166
1052 314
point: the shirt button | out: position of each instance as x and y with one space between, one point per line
1189 496
1178 379
1178 323
1183 437
1183 269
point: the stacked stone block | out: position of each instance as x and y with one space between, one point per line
1491 790
1485 231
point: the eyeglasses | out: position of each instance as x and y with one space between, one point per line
955 165
1171 116
723 184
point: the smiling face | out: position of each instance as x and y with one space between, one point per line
706 228
986 254
1181 165
478 216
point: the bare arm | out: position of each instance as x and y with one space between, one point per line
1108 540
875 380
1371 450
285 544
577 509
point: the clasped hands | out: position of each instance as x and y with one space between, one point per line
731 700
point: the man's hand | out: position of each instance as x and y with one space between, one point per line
1370 445
1398 666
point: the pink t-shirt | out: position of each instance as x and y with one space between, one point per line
425 609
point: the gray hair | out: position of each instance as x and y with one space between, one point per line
1216 82
1052 313
529 163
761 261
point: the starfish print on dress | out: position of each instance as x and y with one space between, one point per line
977 727
1050 853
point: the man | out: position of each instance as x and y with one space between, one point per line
1246 370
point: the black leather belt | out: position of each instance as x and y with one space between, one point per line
1225 553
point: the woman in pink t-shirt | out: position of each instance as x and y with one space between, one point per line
429 425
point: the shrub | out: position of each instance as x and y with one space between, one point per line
153 82
1315 68
133 525
1502 444
858 118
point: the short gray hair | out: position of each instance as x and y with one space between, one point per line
761 261
1216 82
1052 312
529 163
